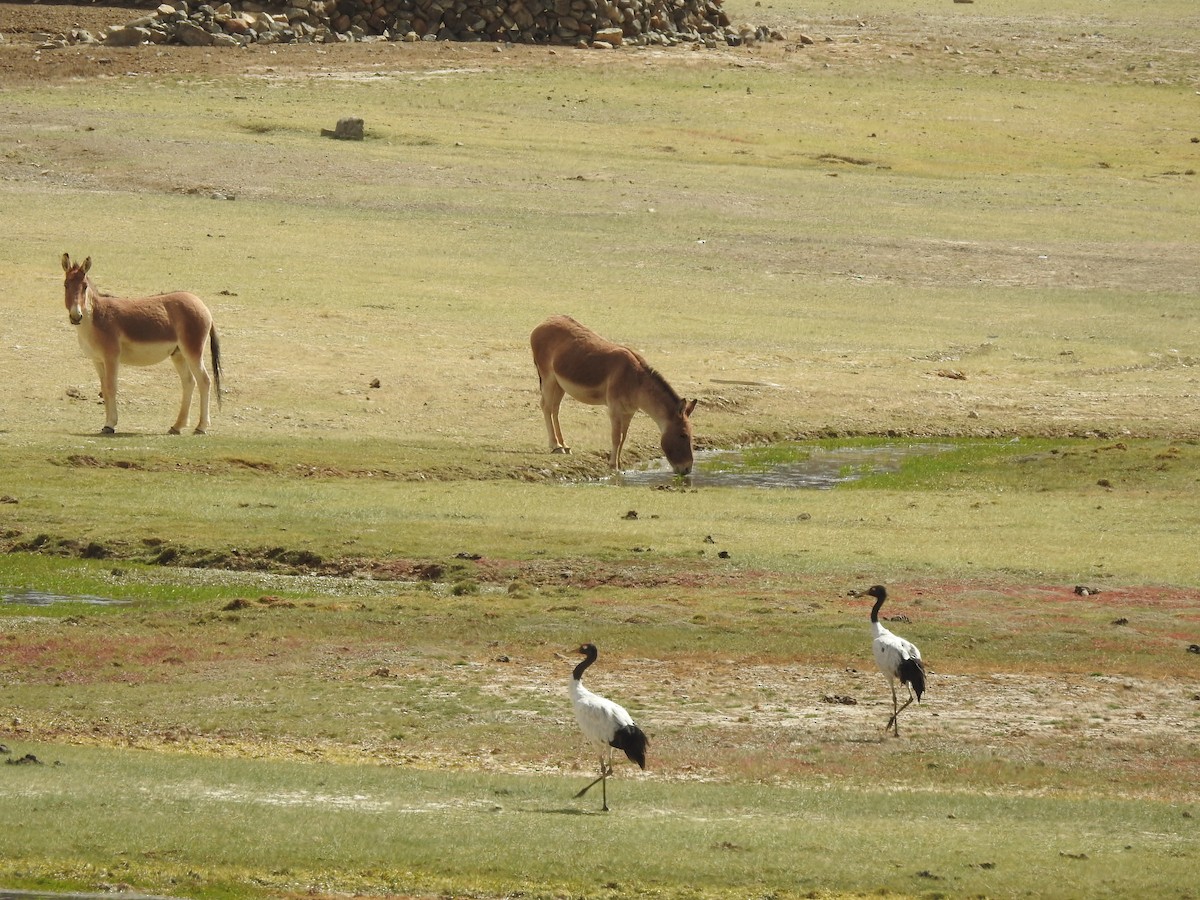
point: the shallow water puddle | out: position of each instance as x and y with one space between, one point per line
814 468
31 597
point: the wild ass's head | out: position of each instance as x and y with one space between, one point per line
76 284
677 439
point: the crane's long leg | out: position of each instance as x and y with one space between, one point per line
895 710
896 715
604 782
605 771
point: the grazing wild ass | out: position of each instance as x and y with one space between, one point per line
142 331
574 360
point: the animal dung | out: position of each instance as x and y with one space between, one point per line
349 128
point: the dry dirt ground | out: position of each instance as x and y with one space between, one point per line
985 45
1140 730
1031 730
23 26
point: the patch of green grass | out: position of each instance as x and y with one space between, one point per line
1082 510
201 827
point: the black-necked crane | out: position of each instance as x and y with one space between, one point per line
605 724
896 658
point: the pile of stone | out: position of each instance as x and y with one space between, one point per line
569 22
583 23
224 26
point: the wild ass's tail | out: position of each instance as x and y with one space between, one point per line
214 346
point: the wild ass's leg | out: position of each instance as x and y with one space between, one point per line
196 375
552 395
99 375
108 390
204 380
187 383
620 427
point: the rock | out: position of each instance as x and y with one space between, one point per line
348 129
193 35
127 36
611 36
842 699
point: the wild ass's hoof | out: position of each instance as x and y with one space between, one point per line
561 450
172 430
108 429
199 430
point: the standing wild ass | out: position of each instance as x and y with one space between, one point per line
572 359
142 331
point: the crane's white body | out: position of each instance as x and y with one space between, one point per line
891 651
897 658
598 717
607 725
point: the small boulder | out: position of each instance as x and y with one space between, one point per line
127 36
611 36
193 35
349 128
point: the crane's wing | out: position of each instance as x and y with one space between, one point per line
598 717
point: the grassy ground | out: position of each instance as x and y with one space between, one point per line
291 825
348 613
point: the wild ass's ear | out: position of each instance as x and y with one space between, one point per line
87 265
688 405
66 262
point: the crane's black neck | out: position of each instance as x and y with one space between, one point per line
880 595
589 658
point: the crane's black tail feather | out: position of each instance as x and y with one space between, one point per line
633 741
912 673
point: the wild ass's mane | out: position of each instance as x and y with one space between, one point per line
90 286
657 377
